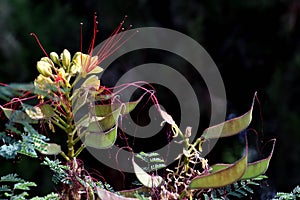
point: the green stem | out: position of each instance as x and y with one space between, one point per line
79 138
76 81
79 150
59 125
65 156
64 106
187 144
60 114
70 142
63 123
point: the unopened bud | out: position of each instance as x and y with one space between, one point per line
66 58
44 68
54 57
48 60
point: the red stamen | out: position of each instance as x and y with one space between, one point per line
112 44
39 43
81 25
3 84
41 46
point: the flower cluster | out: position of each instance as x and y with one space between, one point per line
59 70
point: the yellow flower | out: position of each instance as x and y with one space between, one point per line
85 64
41 82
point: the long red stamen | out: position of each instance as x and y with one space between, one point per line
138 84
112 44
114 39
95 30
81 24
109 42
39 43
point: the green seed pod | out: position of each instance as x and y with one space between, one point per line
44 68
66 58
54 57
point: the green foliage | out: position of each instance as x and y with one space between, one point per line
15 188
152 160
295 194
51 196
105 186
59 170
141 196
30 142
12 90
11 178
9 151
58 103
239 189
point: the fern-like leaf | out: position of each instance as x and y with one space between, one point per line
11 178
24 186
51 196
60 171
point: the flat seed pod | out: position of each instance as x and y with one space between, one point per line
230 127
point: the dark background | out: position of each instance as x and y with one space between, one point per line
255 45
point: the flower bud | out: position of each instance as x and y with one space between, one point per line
66 58
48 60
44 68
54 57
74 69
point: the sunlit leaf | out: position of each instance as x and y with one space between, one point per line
132 192
15 89
101 140
43 111
105 194
106 109
47 110
146 179
129 106
91 82
24 186
80 100
230 127
222 177
34 112
105 123
51 149
18 116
